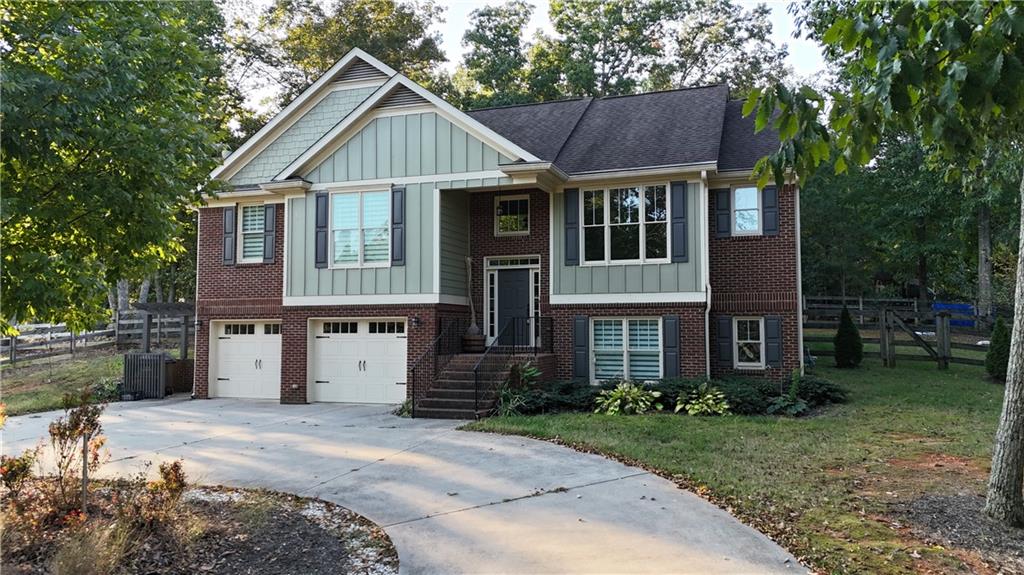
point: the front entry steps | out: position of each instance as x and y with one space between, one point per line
453 394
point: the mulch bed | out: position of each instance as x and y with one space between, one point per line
958 521
251 532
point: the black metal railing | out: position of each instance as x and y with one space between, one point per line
446 345
518 337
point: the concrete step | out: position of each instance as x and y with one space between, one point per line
437 403
445 413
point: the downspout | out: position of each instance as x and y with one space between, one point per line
706 269
799 278
195 311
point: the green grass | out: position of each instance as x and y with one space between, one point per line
821 485
40 385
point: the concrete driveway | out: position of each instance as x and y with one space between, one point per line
452 501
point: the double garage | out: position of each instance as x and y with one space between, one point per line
348 360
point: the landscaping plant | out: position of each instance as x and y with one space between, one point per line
76 442
790 404
510 401
848 345
705 400
627 398
997 360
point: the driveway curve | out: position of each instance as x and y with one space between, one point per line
452 501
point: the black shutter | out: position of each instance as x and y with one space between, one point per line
581 347
722 215
773 341
229 235
670 345
724 341
572 227
770 210
269 226
397 226
320 242
680 237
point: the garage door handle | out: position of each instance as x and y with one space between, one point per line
223 379
222 337
323 337
321 381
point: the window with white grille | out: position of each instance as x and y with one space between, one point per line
250 233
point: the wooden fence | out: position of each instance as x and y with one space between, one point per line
37 341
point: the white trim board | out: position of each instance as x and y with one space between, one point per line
629 298
375 299
425 179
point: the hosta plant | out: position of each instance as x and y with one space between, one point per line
627 398
705 400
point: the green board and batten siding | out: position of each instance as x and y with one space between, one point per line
631 278
395 147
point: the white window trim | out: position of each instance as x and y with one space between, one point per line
360 264
732 211
498 198
736 363
625 346
241 259
607 225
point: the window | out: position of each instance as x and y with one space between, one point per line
341 327
239 329
250 233
511 215
387 327
746 211
749 337
626 224
361 229
272 329
626 348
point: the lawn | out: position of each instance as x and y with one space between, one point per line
833 488
40 384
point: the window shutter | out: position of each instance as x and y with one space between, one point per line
229 235
572 227
581 347
724 341
397 226
680 237
322 201
670 345
723 217
269 226
773 341
770 210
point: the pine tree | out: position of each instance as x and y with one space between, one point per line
998 357
849 348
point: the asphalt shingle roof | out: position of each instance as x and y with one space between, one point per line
686 126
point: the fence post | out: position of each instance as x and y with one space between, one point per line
183 342
883 350
943 335
117 329
72 346
147 324
14 349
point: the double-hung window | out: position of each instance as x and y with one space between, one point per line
627 224
250 233
626 349
746 211
749 342
361 229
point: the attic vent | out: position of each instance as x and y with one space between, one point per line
360 70
401 97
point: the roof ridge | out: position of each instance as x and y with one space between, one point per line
579 120
526 104
683 89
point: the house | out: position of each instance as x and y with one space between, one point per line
616 237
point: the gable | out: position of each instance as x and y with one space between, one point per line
416 144
301 135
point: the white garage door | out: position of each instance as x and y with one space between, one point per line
246 359
360 361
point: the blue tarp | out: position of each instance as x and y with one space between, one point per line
960 309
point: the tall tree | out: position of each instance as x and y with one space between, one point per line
113 115
497 57
299 40
953 73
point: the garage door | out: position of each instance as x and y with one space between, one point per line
247 360
360 361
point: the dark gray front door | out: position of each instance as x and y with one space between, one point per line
514 306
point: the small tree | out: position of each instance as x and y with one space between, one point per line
849 347
997 360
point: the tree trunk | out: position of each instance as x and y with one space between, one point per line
158 291
984 310
144 290
922 267
1005 501
122 295
112 298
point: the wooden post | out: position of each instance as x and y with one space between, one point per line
117 329
883 350
14 349
183 342
147 324
72 345
943 335
159 330
860 306
85 472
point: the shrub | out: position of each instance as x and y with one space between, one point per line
997 360
705 400
673 389
510 401
80 425
848 345
172 479
107 389
789 404
558 397
627 398
523 375
404 409
16 470
748 396
817 391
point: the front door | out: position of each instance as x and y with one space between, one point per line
514 307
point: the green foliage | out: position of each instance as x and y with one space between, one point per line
848 345
791 404
106 389
817 392
80 425
627 398
705 400
113 117
748 396
559 397
997 360
523 375
404 409
497 57
511 401
15 470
